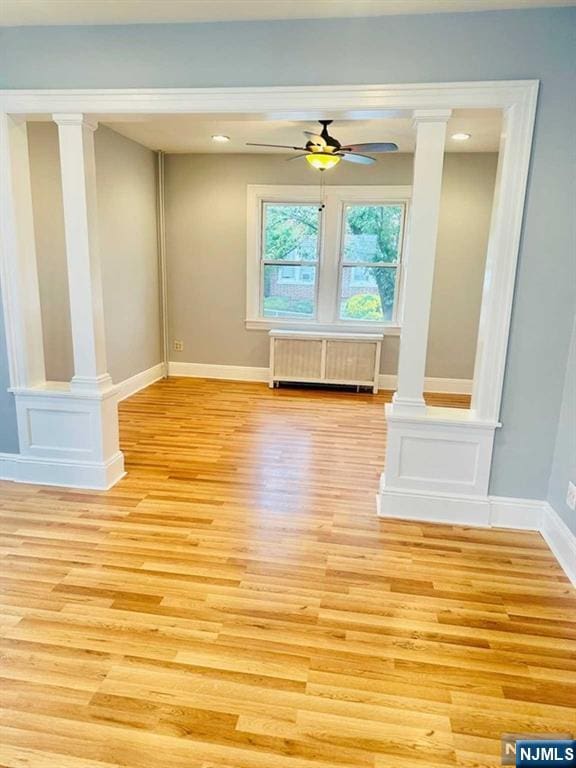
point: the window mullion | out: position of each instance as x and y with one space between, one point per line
329 259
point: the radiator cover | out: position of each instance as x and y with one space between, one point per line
325 358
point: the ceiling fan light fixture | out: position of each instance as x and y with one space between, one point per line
322 161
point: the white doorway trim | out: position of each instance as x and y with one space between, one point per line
516 99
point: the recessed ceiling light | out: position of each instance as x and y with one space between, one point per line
461 136
220 138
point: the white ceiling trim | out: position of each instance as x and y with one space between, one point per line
64 12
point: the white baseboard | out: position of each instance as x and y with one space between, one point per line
141 380
561 541
210 371
249 373
433 507
522 514
488 511
67 474
450 386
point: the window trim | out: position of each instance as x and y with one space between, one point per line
329 269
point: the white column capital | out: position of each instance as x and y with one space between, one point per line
75 118
431 116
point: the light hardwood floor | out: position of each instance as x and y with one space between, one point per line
235 603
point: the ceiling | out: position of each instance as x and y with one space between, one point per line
53 12
193 133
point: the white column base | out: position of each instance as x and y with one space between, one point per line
407 406
437 466
68 437
432 507
438 450
94 384
68 474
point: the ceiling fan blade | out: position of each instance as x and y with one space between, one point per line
381 146
278 146
297 157
355 158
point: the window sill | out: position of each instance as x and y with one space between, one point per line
261 324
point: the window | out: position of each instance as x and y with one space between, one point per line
290 254
370 256
336 265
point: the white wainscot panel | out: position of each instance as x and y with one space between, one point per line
72 429
439 456
438 459
56 423
67 438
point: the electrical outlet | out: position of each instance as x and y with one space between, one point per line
178 346
571 496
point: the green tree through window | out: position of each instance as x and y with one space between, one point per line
373 234
370 257
290 235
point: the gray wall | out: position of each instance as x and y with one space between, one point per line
564 461
465 210
8 426
126 173
50 249
126 180
206 249
392 49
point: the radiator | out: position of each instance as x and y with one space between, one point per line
325 358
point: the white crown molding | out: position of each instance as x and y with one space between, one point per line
274 101
16 13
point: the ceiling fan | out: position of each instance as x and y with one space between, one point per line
323 151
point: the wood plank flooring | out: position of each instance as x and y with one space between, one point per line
235 603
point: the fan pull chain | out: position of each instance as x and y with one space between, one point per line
322 200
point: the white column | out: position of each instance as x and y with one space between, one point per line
20 280
78 167
420 257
